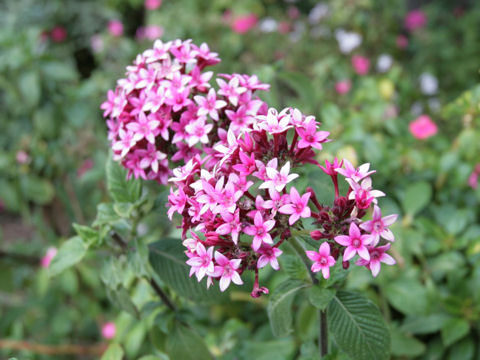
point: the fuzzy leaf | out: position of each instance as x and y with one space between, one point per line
280 306
358 327
119 188
70 253
183 343
416 197
320 297
453 330
114 352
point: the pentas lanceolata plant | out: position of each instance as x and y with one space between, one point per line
165 109
240 203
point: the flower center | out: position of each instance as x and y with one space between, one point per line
356 243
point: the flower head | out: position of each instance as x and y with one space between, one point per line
423 127
322 261
355 243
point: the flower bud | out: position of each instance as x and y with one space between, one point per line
345 264
316 234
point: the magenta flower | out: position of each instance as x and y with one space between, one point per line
377 256
115 28
423 127
343 87
232 90
260 231
378 226
58 34
201 261
144 128
274 122
362 193
402 41
49 255
198 131
152 4
310 137
209 105
231 224
108 330
297 208
360 64
355 243
227 271
125 143
269 254
277 180
322 260
243 24
331 168
415 19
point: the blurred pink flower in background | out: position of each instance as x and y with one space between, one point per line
22 157
283 27
108 330
343 87
243 24
360 64
402 41
415 19
86 165
115 28
58 34
423 127
293 12
49 255
153 4
96 43
150 32
473 178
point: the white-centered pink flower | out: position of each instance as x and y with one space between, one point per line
231 225
209 104
378 226
362 193
277 180
227 271
355 174
378 255
260 231
310 137
322 260
355 242
298 206
201 261
269 254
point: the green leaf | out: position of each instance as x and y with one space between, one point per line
114 352
154 357
429 324
416 197
36 189
405 345
29 85
88 235
105 215
185 344
408 296
120 189
270 350
358 327
453 330
123 210
279 307
70 253
293 266
167 258
121 298
463 350
320 297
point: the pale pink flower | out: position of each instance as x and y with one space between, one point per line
473 178
144 128
423 127
209 104
269 254
322 261
378 226
260 231
355 174
232 90
362 193
277 180
198 131
231 225
415 19
22 157
377 256
108 330
343 87
360 64
227 271
243 24
355 242
48 257
153 4
96 43
201 261
149 32
115 28
274 122
402 41
298 206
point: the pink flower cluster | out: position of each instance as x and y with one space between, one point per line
165 108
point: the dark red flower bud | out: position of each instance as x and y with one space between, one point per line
345 264
316 234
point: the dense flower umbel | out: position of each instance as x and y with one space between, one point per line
242 199
166 109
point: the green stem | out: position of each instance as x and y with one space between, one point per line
323 333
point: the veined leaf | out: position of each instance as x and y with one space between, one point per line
280 306
185 344
358 327
70 253
119 188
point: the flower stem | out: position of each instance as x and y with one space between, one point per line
323 333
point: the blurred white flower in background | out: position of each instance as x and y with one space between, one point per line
347 40
320 31
268 25
298 30
318 12
384 63
434 104
428 84
416 109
